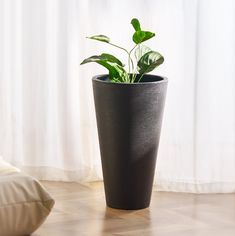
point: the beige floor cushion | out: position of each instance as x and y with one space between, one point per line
24 202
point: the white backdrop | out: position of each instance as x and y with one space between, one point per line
47 121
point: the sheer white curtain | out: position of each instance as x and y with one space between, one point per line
47 121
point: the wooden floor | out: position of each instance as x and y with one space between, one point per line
80 211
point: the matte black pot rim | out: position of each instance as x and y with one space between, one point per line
97 78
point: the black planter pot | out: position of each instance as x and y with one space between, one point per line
129 118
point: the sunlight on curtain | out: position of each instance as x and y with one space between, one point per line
47 120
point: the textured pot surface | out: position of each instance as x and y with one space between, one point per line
129 118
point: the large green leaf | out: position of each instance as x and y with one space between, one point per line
116 71
149 61
111 58
101 38
140 51
104 57
90 59
136 24
141 36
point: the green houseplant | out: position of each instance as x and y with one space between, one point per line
147 59
129 108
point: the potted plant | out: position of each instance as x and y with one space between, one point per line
129 108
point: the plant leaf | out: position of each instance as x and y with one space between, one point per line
149 61
141 36
140 51
136 24
104 57
116 71
111 58
90 59
101 38
138 37
148 35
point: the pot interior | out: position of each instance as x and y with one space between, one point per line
145 79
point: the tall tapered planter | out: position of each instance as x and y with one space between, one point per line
129 118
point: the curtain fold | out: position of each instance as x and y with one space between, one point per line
47 120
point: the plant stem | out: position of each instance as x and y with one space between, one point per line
130 62
126 52
119 47
134 76
130 59
133 71
140 78
133 48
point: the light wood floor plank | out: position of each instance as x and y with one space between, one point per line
80 210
